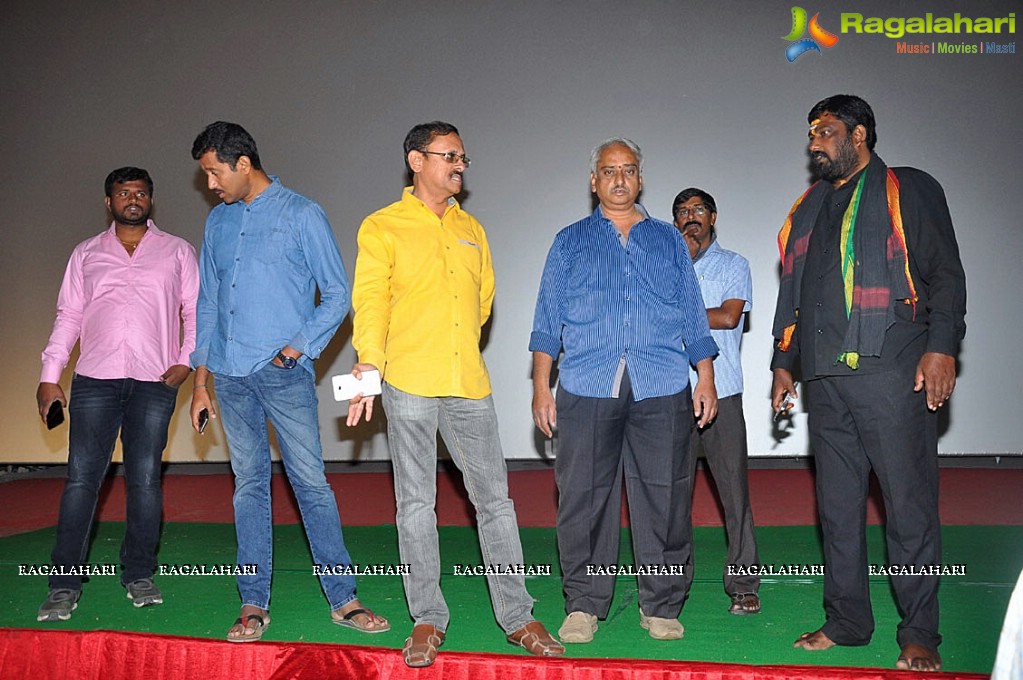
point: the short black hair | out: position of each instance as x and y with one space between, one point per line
230 141
686 194
126 174
849 109
420 136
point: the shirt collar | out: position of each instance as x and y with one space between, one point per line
598 213
152 229
271 193
408 197
713 246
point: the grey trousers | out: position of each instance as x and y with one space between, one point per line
724 445
599 440
469 429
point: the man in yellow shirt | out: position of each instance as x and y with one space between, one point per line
424 284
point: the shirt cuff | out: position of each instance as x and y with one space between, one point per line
302 345
541 342
786 360
199 357
51 373
942 339
373 357
704 348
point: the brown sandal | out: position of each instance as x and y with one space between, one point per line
745 603
535 639
420 648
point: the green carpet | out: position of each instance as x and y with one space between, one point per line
204 606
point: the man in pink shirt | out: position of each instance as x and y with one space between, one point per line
129 295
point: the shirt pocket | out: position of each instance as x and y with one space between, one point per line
270 246
469 259
659 277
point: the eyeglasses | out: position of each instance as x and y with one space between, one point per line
449 156
697 210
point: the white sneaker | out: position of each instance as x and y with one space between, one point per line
578 627
661 629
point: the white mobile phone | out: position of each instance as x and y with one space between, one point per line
346 386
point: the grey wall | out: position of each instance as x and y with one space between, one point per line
329 89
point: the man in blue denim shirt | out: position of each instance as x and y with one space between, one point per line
265 253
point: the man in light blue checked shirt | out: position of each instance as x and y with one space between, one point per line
728 294
619 297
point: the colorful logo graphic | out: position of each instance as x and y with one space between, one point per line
800 45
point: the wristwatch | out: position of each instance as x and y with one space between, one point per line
286 361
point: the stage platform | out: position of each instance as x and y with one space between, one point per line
983 530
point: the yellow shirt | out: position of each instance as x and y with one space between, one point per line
423 288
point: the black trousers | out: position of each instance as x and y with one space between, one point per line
599 440
876 422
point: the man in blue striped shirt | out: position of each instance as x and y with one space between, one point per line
727 289
620 298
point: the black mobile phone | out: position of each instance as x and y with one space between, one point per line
55 416
204 420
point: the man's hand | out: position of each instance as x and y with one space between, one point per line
545 412
201 397
360 404
175 375
705 394
46 394
783 386
936 373
690 238
287 351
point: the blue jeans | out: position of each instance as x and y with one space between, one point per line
98 409
469 428
287 397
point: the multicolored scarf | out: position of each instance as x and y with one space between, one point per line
875 261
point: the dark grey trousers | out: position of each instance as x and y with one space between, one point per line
648 441
724 444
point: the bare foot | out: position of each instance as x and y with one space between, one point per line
914 657
814 642
249 625
365 620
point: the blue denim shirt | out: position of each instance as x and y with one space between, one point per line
259 270
602 301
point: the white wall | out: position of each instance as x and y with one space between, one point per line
329 89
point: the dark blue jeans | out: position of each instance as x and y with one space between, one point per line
98 409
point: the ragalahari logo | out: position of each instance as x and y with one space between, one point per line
818 36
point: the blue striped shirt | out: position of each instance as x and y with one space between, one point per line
601 301
725 275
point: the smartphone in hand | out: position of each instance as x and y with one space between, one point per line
204 420
55 416
346 386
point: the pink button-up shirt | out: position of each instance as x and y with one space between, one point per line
135 315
